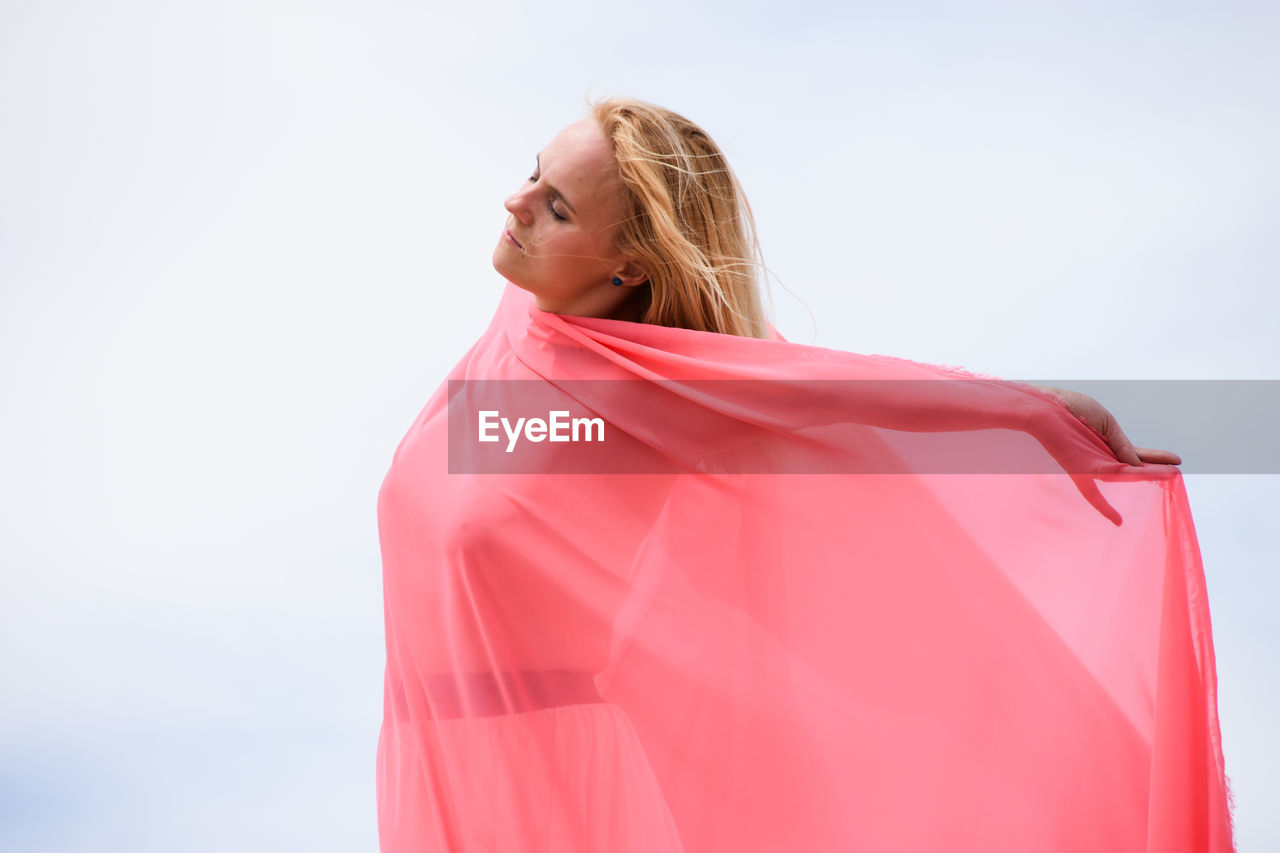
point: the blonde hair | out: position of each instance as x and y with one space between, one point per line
686 221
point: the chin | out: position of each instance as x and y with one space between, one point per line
501 267
507 274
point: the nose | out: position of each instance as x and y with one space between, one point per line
518 206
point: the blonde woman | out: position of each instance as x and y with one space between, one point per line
663 653
658 214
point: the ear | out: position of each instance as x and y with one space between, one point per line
632 273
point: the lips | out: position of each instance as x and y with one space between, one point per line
513 239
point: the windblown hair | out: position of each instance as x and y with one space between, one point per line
686 221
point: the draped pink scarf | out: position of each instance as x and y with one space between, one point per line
798 600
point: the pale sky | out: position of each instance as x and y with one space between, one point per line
242 242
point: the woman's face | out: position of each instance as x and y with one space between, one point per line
558 242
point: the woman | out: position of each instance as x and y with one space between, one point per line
694 648
704 251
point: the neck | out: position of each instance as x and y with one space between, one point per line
628 305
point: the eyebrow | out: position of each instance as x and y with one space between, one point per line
537 158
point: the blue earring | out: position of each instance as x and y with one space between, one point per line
617 282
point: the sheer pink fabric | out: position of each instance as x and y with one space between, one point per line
722 660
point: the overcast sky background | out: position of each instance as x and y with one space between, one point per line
242 242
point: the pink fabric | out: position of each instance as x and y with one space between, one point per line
702 659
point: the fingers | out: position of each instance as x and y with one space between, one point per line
1090 491
1127 454
1047 429
1159 457
1120 444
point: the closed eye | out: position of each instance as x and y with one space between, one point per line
551 201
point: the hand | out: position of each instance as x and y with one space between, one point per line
1095 415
